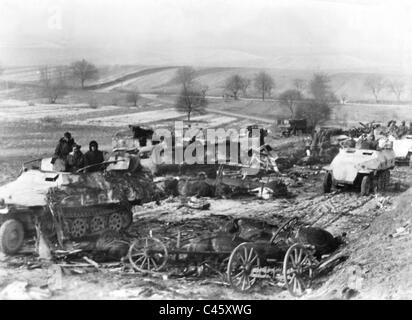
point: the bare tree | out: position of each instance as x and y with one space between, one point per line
264 83
191 100
343 97
319 87
290 98
397 87
204 89
133 97
235 84
246 86
314 111
53 83
376 84
84 71
185 76
299 84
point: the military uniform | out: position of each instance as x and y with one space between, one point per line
93 157
75 160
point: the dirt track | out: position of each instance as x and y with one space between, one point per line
343 211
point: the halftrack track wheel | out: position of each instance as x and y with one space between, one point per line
380 184
78 228
327 183
115 221
98 223
366 185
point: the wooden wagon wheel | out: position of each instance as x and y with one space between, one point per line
287 226
297 270
241 262
148 254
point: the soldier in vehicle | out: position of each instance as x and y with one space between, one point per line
393 129
367 142
402 130
362 142
63 148
93 157
373 143
350 142
75 160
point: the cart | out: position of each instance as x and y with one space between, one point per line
280 258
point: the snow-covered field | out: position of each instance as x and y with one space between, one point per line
126 119
15 110
207 121
213 120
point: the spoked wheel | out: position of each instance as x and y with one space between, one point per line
297 270
241 262
148 254
286 227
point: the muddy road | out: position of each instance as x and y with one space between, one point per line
22 277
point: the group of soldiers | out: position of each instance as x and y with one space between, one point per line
320 142
69 158
367 138
399 132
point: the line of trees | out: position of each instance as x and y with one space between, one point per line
376 84
314 109
54 81
263 83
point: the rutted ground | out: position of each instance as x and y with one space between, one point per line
343 211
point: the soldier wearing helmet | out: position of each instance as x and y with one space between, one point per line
63 149
93 157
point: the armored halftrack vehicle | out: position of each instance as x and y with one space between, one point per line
367 169
403 149
76 203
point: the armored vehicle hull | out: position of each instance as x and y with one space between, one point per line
368 170
403 150
79 204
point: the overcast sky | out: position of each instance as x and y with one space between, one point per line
243 32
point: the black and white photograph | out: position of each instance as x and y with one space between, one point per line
231 150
